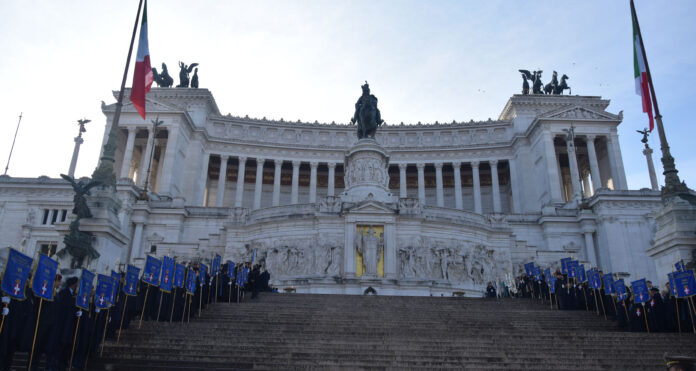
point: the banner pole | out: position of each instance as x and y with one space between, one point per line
106 322
645 316
189 310
171 315
584 293
2 322
229 296
693 307
142 313
183 312
595 301
91 337
77 328
217 280
36 329
616 311
159 309
123 314
604 310
200 301
208 299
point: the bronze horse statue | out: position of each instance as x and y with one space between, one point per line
163 79
367 114
562 86
551 87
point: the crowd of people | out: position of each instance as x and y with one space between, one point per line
662 313
64 331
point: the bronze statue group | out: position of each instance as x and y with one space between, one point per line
65 332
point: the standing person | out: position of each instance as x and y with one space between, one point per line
265 277
60 339
561 286
46 322
254 280
490 290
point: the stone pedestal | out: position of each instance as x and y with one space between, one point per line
674 236
366 174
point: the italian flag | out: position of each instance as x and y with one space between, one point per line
640 72
142 76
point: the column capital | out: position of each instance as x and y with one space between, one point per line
332 165
475 163
132 129
438 165
420 165
242 159
314 164
278 162
224 157
403 166
493 163
260 161
296 163
456 165
590 138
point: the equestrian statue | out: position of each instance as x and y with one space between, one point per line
367 114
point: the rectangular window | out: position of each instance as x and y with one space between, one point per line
54 216
63 215
44 220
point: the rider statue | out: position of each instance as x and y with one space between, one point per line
367 114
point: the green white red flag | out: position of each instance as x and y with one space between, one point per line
640 72
142 76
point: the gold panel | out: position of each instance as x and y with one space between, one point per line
359 265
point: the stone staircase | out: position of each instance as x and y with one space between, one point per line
296 331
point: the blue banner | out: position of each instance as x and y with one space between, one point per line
537 273
44 277
203 274
130 288
215 268
167 274
151 272
672 284
580 273
679 266
564 265
116 278
552 284
84 289
608 280
685 283
191 282
595 280
570 267
230 269
179 274
640 291
103 291
245 275
620 288
17 270
253 253
529 269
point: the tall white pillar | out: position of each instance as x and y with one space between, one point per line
458 185
276 182
613 142
203 180
128 153
589 247
402 181
651 168
438 184
313 182
574 172
295 182
495 185
332 179
390 260
137 242
477 187
552 167
76 152
145 160
349 251
594 166
586 185
259 183
222 178
421 182
165 185
239 195
515 186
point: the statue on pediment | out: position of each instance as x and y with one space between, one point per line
554 87
367 114
184 72
163 79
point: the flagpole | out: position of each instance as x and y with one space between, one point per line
673 186
123 313
36 329
105 171
171 315
12 148
77 329
142 313
693 307
159 309
106 322
2 322
645 316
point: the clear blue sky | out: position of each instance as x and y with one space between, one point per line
425 60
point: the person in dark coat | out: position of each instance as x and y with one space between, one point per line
655 310
46 322
254 280
265 277
560 287
60 339
13 329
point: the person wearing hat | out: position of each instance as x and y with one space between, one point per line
655 310
65 316
680 363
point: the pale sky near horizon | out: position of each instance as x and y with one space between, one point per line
425 60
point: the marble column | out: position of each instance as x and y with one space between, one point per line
313 182
552 167
647 151
203 180
137 242
438 184
390 262
421 182
258 187
495 186
594 165
515 186
295 182
349 251
76 152
332 179
402 181
165 185
574 172
613 142
222 178
586 185
276 182
239 194
145 160
128 153
589 247
477 187
458 185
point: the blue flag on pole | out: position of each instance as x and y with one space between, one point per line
253 253
230 269
547 275
685 283
679 266
179 274
529 269
103 291
216 265
130 288
552 284
84 289
608 280
672 284
245 275
203 273
116 278
640 291
167 274
570 267
620 288
537 273
17 270
151 271
564 265
595 280
580 273
191 282
45 275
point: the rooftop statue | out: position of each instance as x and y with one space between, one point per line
163 79
554 87
184 74
194 79
367 114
